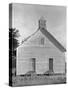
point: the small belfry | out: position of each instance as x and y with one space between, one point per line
42 23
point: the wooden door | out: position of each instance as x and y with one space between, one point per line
33 64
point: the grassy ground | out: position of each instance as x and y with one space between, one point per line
39 79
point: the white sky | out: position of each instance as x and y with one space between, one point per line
25 19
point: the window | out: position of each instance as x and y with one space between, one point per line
33 63
51 64
42 41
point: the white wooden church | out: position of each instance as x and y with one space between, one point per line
40 53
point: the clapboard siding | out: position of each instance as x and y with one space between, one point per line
42 56
33 48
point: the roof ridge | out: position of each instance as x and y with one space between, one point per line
49 36
52 39
30 36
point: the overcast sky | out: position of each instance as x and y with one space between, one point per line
25 19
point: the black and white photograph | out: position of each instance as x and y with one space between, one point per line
37 44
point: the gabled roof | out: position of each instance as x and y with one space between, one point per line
29 36
50 37
53 40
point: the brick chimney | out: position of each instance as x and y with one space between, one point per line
42 23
